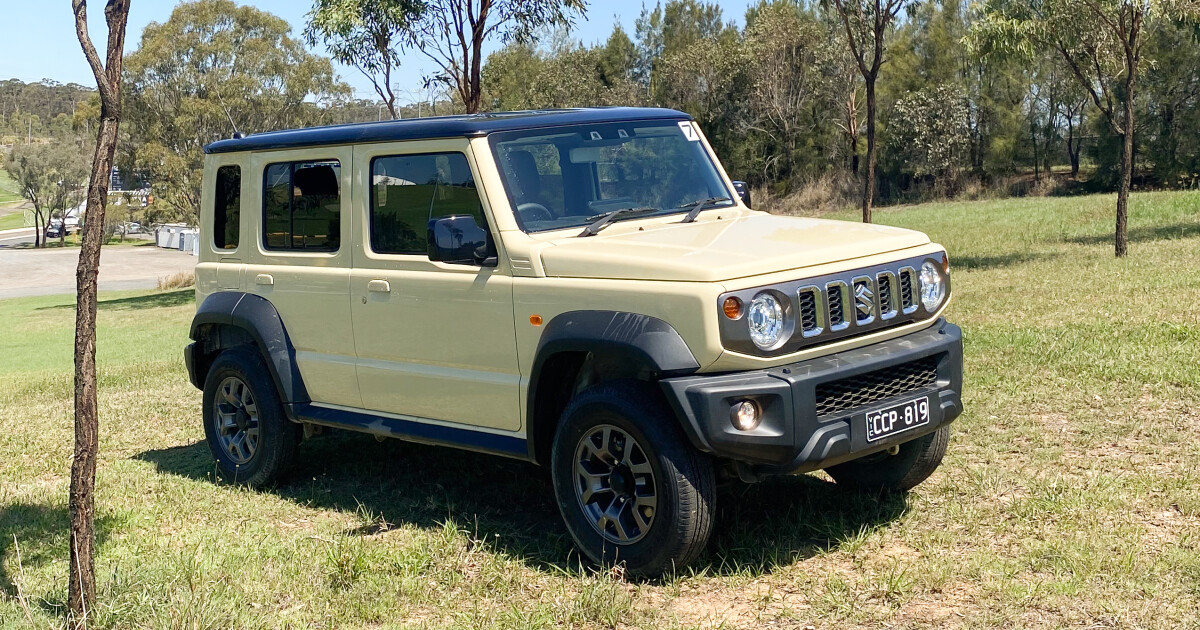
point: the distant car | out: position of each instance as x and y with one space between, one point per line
55 229
133 227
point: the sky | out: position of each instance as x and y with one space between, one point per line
39 37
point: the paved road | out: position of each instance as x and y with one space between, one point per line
27 272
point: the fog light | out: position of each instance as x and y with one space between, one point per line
744 415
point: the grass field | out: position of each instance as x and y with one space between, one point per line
8 188
1068 497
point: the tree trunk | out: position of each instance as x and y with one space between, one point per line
81 588
82 593
37 228
869 178
1121 241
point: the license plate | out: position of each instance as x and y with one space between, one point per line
897 419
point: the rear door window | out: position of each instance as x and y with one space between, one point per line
302 206
227 207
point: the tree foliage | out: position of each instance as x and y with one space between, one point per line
366 34
212 69
1101 42
52 177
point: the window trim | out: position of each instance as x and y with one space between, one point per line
291 164
216 187
369 244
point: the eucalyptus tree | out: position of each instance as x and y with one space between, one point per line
212 69
867 23
452 34
1101 42
50 176
368 35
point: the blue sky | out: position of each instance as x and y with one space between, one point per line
39 36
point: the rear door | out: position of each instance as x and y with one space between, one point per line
435 340
301 261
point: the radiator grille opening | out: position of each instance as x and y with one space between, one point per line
837 312
808 311
858 391
906 289
885 295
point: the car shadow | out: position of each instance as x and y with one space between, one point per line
38 534
507 505
159 299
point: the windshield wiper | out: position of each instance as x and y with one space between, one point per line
601 221
700 206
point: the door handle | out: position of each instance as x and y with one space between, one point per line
264 279
379 286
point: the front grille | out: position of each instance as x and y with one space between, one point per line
865 389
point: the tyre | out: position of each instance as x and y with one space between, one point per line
883 472
250 437
629 486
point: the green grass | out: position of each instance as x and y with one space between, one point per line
8 188
17 219
1068 497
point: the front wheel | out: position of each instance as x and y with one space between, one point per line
913 462
629 486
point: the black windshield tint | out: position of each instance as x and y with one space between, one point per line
557 178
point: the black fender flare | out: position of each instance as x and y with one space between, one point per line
639 342
257 317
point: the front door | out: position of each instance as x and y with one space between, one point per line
434 340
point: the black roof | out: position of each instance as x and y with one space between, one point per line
438 127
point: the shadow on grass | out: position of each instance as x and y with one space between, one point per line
1180 230
984 263
508 504
41 534
160 299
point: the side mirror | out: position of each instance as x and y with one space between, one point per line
458 239
743 190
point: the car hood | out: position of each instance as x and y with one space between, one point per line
717 250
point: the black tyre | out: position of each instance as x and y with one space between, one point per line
251 439
629 486
883 472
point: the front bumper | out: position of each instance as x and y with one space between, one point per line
792 436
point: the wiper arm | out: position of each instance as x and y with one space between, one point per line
601 221
700 206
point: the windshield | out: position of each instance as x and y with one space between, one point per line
561 177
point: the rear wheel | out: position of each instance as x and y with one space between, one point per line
912 463
629 486
248 433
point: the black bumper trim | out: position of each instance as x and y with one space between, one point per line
791 438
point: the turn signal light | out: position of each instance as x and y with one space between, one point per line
732 307
536 320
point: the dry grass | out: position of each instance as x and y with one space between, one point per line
1067 499
180 280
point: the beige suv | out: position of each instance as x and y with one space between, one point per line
585 289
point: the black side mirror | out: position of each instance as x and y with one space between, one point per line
458 239
743 190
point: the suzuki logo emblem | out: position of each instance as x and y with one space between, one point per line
864 299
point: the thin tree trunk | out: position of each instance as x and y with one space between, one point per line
81 590
869 178
1121 239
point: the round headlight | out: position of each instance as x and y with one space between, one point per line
766 320
933 286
